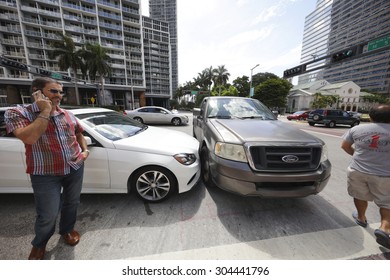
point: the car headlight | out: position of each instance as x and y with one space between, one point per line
230 151
324 153
186 159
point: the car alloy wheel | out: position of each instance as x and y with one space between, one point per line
332 124
153 183
176 121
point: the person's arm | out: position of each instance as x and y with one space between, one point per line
83 144
31 133
347 147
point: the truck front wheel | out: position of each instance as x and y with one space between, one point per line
205 167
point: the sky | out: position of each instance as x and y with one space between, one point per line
239 34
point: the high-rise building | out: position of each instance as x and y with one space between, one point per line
347 23
166 10
157 62
315 40
28 28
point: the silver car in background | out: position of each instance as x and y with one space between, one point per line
156 115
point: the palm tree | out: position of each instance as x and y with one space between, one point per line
209 75
97 62
68 57
221 76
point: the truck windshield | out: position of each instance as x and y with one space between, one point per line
238 108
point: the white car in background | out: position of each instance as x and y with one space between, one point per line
156 115
125 156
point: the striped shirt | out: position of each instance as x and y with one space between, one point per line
57 150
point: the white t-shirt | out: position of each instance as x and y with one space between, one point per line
372 148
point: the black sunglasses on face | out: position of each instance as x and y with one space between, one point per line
55 91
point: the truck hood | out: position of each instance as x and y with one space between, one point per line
255 130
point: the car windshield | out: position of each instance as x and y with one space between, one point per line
111 125
238 108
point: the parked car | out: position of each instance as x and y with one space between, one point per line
125 156
299 115
244 149
332 117
156 115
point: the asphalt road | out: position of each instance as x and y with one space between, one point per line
205 223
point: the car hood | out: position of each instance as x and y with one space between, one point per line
160 141
254 130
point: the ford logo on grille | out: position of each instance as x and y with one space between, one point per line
290 158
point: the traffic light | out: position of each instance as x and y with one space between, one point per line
13 64
343 54
66 78
44 72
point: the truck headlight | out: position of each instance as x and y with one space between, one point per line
324 153
230 151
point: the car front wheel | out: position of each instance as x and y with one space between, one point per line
331 124
176 121
153 183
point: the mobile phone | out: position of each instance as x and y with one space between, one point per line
37 93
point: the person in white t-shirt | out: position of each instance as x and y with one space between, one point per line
369 171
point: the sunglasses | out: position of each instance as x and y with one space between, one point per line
55 91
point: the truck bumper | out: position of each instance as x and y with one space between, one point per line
239 178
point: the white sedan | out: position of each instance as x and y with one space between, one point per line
124 155
156 115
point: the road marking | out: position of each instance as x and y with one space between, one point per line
336 244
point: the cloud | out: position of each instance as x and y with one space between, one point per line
250 36
241 3
267 14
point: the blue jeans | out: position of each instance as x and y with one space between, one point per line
49 202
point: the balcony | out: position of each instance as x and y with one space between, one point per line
17 42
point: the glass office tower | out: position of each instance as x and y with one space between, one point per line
166 10
336 25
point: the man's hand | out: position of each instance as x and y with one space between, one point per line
44 104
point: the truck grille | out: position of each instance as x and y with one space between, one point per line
270 158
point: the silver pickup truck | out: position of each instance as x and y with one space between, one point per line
246 150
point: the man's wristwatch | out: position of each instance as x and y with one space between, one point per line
86 151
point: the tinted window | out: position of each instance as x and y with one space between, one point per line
111 125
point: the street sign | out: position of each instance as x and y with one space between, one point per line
93 100
379 43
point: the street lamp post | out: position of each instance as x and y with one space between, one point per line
132 86
250 86
131 79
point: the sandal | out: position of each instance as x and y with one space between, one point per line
360 223
382 238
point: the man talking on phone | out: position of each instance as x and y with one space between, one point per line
55 155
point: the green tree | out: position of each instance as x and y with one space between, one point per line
97 62
242 85
68 58
259 78
273 92
230 91
221 77
318 101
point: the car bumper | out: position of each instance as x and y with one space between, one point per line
239 178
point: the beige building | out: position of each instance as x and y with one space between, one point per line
350 97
